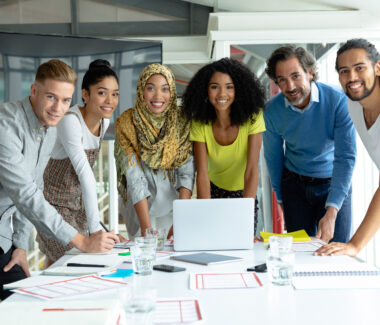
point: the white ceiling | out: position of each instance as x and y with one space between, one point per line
290 5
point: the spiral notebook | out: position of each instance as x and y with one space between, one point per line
336 276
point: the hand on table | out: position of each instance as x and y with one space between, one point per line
18 257
257 239
326 225
334 249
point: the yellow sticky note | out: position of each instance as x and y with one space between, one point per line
299 235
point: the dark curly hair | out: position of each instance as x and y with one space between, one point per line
359 43
249 93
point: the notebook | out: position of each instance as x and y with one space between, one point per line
205 258
213 224
336 276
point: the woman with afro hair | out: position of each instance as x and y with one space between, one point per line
224 102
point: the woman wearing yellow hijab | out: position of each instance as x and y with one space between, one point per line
153 153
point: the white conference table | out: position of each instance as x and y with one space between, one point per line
269 304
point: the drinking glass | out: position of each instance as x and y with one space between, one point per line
160 234
280 259
139 300
143 254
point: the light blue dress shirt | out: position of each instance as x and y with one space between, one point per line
25 149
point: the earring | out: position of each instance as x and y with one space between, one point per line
206 99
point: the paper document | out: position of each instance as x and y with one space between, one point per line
126 244
113 251
308 246
159 256
299 235
61 312
35 281
87 264
72 287
336 276
177 311
224 280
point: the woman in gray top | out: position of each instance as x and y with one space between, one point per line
153 153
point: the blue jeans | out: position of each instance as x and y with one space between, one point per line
304 205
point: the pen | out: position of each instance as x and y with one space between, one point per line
85 265
104 226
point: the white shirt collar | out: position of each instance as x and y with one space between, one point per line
314 98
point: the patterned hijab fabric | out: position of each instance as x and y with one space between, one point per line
161 140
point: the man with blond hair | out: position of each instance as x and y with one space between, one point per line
27 132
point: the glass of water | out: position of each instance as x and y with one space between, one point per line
139 300
159 234
280 259
143 255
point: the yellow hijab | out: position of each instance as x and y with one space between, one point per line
161 141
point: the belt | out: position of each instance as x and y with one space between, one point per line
308 179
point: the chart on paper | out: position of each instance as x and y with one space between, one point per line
72 287
224 280
177 311
308 246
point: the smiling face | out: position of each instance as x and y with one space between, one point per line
157 93
50 100
294 82
102 97
221 91
357 74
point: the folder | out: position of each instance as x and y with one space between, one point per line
299 235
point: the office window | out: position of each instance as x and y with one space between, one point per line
365 178
17 73
2 90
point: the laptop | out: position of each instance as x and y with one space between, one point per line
213 224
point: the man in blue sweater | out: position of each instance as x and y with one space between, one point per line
309 147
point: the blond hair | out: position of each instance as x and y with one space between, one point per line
56 70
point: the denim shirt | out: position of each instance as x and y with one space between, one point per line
25 149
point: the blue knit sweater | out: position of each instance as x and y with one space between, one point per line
319 141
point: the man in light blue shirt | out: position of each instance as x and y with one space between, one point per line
309 147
